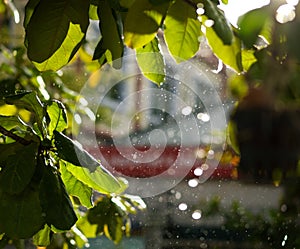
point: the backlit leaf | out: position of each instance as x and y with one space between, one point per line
20 215
229 54
55 31
142 22
55 201
108 217
100 179
248 58
58 117
75 187
88 229
220 26
151 62
31 102
42 238
182 31
73 152
12 122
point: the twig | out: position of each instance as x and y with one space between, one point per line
14 136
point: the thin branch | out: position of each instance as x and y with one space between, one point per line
14 136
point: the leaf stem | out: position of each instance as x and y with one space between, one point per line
14 136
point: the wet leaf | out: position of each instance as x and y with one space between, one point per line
75 187
55 201
73 153
100 179
182 31
151 62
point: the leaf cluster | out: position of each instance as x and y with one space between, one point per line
45 176
55 32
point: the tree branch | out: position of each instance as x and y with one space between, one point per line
14 136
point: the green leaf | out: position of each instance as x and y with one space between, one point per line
58 117
111 37
18 168
220 26
55 31
55 201
73 152
114 225
75 187
151 62
88 229
99 213
229 54
29 9
31 102
93 12
108 217
182 31
12 122
251 24
248 58
142 22
42 238
100 179
20 215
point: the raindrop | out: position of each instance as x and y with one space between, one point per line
283 208
200 11
209 23
203 245
197 214
203 117
178 195
186 110
210 154
285 13
182 206
77 119
198 172
193 183
201 153
204 166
